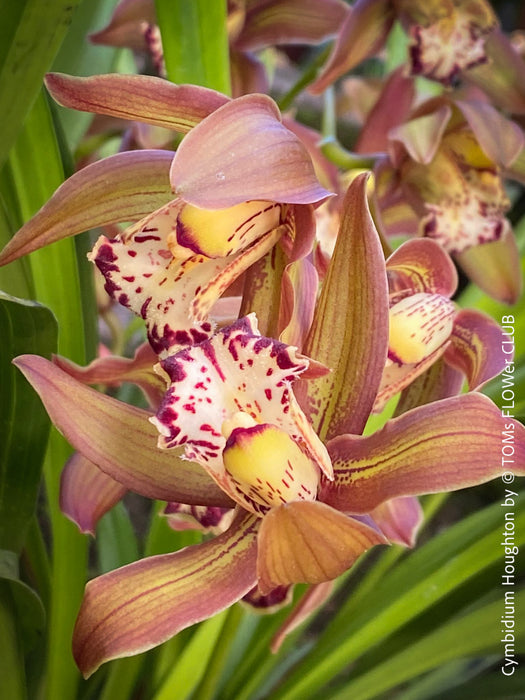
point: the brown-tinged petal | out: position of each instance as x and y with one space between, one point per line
351 335
118 438
502 78
309 542
125 28
87 493
495 267
422 136
443 446
439 381
363 32
391 109
421 265
142 98
262 291
311 601
112 370
277 22
300 283
139 606
241 152
476 347
500 138
123 187
399 519
397 376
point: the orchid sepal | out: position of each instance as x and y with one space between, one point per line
138 606
118 438
443 446
123 187
143 98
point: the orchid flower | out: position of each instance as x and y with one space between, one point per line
444 180
446 39
305 483
229 210
251 25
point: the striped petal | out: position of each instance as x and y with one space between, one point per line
87 493
351 335
117 438
244 152
290 22
113 371
141 605
123 187
421 265
300 284
305 542
443 446
142 98
439 381
476 347
362 33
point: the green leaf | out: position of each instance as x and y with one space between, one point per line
425 577
33 31
24 425
191 666
195 42
474 634
30 615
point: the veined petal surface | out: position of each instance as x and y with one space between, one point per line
244 152
142 98
443 446
134 608
118 438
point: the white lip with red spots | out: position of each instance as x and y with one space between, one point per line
236 374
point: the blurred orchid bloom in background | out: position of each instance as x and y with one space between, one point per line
444 180
446 38
426 325
252 25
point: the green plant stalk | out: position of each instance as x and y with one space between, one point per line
195 42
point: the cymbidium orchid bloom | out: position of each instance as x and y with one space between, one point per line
444 180
239 179
446 37
310 493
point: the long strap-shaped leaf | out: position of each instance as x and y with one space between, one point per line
36 33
